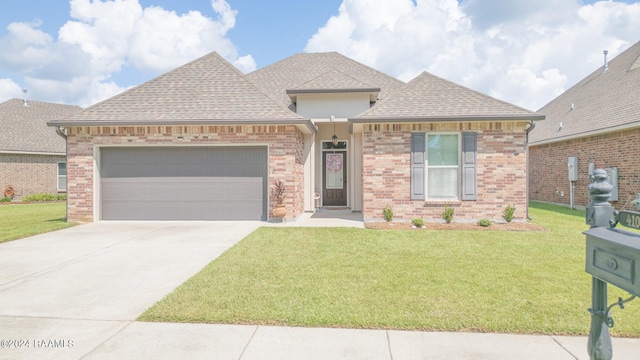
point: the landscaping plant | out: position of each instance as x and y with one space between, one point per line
447 214
508 212
387 212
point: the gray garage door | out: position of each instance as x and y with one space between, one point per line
184 183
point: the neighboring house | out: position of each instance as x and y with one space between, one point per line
596 122
205 141
32 155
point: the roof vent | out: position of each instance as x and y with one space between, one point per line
25 97
606 65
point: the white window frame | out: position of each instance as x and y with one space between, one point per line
59 176
458 167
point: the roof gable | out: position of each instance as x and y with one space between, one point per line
601 102
206 90
329 70
428 97
25 130
334 81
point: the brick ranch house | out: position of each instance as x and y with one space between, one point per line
32 155
205 141
597 122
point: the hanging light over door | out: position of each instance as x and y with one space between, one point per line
334 138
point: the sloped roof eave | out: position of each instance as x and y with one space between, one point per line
396 119
68 123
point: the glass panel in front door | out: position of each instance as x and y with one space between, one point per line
334 171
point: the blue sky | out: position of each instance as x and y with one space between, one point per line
521 51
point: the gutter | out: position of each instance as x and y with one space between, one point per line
455 118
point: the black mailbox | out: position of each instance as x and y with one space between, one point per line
613 255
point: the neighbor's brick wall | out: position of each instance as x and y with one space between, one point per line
285 156
30 174
501 175
548 172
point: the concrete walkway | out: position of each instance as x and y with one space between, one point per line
75 293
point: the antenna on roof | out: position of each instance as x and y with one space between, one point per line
25 97
606 65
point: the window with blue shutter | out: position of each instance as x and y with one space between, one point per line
437 163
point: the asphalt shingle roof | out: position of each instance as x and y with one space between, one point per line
430 98
24 128
206 90
317 71
602 101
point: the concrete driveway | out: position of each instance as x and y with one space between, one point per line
64 293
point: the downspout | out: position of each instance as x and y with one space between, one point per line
60 131
532 125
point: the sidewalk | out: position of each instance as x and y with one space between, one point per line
138 340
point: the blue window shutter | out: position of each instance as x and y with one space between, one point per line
418 147
469 173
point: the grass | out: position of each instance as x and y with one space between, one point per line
493 281
22 220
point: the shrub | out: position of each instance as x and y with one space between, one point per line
484 222
417 222
508 212
387 212
45 197
5 199
447 214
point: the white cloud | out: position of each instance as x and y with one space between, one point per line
105 37
520 51
9 90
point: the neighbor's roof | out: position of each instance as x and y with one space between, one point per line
321 72
430 98
601 102
207 90
25 130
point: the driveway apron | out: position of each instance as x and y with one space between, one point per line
66 292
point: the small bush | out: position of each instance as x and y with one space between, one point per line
484 222
417 222
508 212
45 197
5 199
447 214
387 212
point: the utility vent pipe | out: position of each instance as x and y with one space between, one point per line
606 64
25 97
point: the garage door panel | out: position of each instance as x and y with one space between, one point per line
181 210
182 189
185 183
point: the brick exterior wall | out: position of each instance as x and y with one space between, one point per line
286 146
548 172
501 175
30 174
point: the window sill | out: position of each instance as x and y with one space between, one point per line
441 203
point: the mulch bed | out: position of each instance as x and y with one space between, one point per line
512 226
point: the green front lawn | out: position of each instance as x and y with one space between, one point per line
22 220
495 281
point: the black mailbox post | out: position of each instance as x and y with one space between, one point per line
612 257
